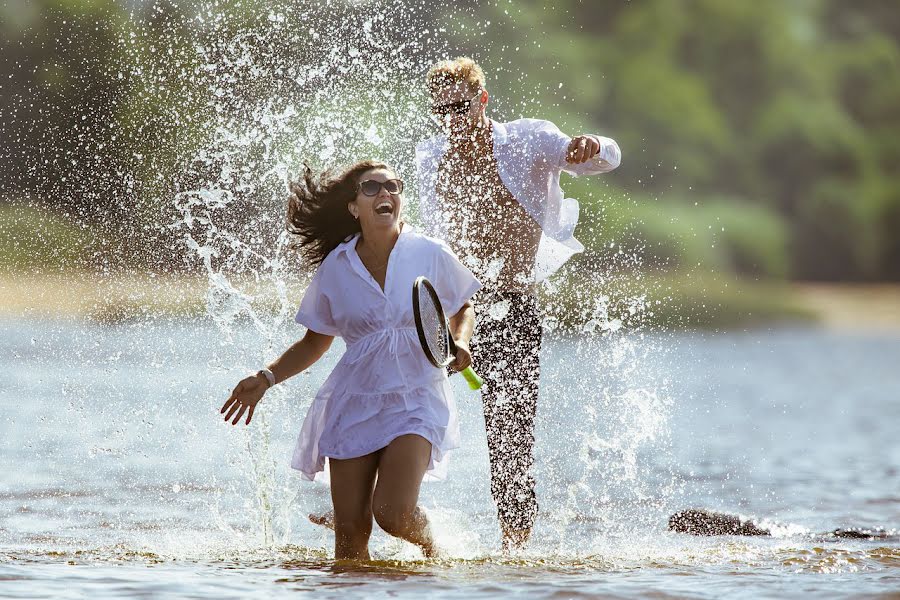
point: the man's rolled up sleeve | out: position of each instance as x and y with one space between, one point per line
555 146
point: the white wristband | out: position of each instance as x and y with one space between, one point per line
269 375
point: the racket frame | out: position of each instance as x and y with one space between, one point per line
475 382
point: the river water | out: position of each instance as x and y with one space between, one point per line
118 478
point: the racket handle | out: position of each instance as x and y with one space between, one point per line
475 382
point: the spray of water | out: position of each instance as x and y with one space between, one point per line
229 101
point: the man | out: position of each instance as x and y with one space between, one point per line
491 190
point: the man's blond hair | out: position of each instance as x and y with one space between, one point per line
450 72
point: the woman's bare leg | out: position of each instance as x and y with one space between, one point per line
351 494
401 467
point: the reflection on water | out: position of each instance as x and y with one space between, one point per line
115 467
813 559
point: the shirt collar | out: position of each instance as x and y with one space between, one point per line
500 136
350 243
346 245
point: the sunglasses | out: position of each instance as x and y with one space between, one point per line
370 187
457 108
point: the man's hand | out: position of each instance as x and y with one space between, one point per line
582 148
463 357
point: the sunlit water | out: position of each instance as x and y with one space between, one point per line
119 478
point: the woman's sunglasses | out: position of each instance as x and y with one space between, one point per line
457 108
370 187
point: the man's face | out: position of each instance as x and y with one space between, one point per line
457 108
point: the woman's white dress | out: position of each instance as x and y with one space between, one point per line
383 386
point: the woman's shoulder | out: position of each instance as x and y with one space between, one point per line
342 249
332 263
420 242
326 266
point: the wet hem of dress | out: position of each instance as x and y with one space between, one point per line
428 471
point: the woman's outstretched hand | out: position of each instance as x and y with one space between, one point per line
245 396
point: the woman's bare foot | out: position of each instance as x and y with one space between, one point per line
325 519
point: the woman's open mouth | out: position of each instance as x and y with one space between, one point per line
384 208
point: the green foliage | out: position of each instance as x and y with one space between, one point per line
790 109
677 300
716 301
34 239
761 138
720 233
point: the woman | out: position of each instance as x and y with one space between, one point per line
385 416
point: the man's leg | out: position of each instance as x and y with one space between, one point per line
508 355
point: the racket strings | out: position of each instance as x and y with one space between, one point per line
433 325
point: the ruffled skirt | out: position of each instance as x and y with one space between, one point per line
364 405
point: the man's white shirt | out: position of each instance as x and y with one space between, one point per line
530 155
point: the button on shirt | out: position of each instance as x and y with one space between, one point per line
530 155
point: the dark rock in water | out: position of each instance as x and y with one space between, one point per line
697 521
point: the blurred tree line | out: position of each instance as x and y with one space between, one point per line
759 137
777 120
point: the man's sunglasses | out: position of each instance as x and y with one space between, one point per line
370 187
457 108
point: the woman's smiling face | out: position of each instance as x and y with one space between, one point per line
383 208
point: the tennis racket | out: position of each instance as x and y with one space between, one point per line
434 331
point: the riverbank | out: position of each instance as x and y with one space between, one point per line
124 296
677 302
852 306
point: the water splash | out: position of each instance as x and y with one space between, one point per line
224 105
631 416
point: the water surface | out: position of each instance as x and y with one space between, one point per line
117 477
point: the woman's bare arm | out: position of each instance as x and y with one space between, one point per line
296 359
301 356
462 324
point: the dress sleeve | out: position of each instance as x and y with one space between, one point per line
452 281
315 308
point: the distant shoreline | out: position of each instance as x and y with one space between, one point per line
119 297
855 306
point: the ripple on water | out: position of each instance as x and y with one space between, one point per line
812 559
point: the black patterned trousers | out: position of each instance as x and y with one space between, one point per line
506 351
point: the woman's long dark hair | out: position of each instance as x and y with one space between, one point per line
317 213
